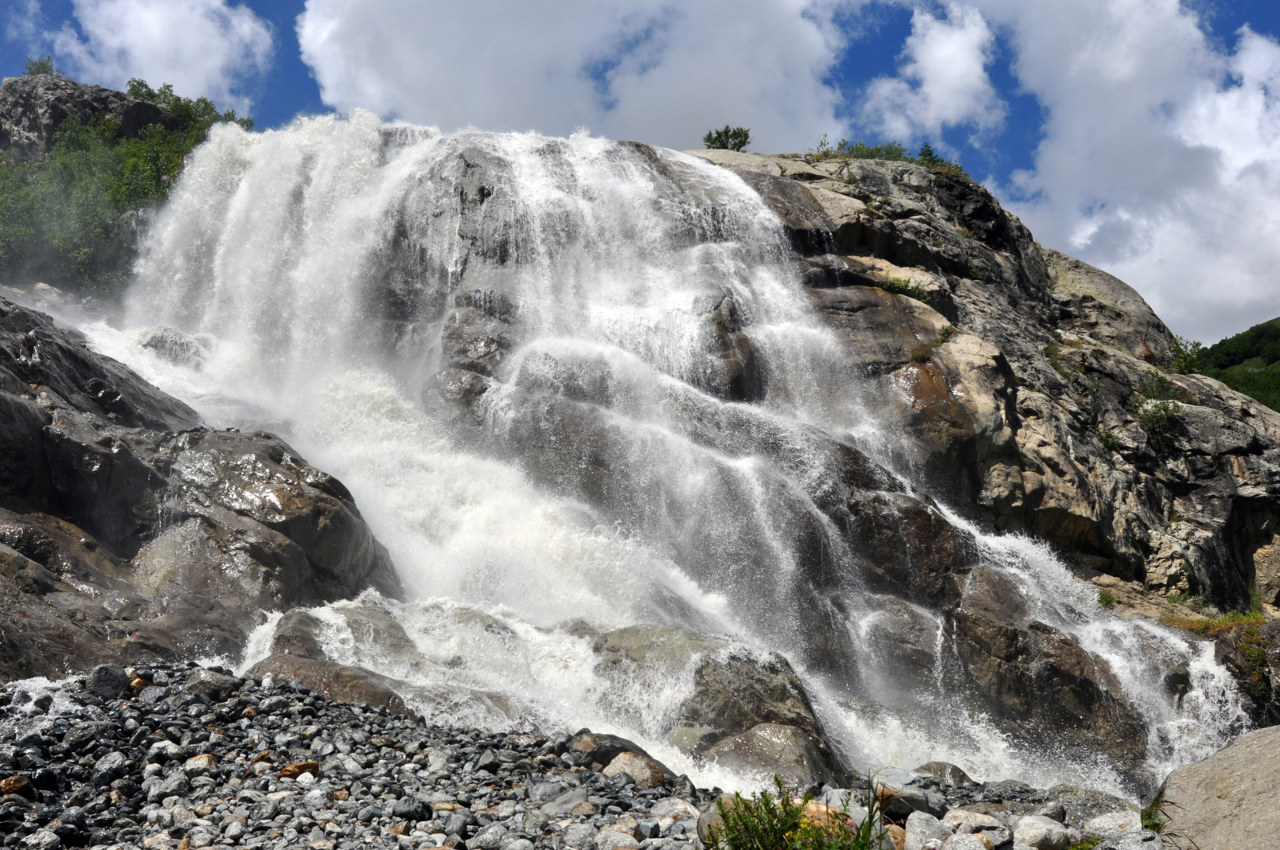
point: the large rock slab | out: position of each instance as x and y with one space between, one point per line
128 531
1229 799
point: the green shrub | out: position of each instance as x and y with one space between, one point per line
777 822
1109 440
891 151
41 65
1106 600
62 214
727 138
1188 355
902 286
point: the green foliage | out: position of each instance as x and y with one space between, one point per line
902 286
1188 355
777 822
1106 600
892 151
727 138
1109 440
1153 817
1248 362
41 66
63 216
1153 405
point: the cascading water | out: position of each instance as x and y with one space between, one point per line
575 386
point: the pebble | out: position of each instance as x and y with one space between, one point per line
169 757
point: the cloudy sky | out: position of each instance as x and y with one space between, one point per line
1140 135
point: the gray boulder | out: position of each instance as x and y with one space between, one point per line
1229 799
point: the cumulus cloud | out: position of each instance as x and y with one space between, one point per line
203 47
942 82
661 72
1160 153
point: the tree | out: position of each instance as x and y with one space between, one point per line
727 138
42 65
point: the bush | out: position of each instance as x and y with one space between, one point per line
769 822
727 138
891 151
63 215
41 66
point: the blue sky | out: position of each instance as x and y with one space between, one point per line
1140 135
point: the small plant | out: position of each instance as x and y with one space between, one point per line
947 334
41 66
1153 817
769 822
727 138
1188 355
1109 440
1106 600
902 286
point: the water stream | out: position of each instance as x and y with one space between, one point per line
618 469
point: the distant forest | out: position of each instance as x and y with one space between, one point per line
1248 362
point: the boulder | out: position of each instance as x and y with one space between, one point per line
128 531
338 681
1227 800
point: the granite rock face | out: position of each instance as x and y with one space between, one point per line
128 530
1052 406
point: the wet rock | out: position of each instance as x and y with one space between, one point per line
112 498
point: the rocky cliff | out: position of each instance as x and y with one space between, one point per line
1052 406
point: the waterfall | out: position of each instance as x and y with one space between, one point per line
575 385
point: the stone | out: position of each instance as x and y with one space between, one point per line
976 824
1112 825
902 792
646 772
1227 800
921 828
107 681
1041 833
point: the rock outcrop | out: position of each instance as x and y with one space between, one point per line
1227 800
32 108
127 530
1053 406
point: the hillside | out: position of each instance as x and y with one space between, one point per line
1248 362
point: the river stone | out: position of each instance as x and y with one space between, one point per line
1112 825
922 827
646 772
1228 800
1041 833
107 681
785 751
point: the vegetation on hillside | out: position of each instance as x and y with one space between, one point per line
892 151
1248 362
65 217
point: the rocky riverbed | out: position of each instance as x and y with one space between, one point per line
182 756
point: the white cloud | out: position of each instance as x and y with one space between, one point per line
1160 154
942 82
23 24
203 47
661 72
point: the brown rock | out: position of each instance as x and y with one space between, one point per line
293 771
1229 799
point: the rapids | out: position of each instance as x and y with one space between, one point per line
586 456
